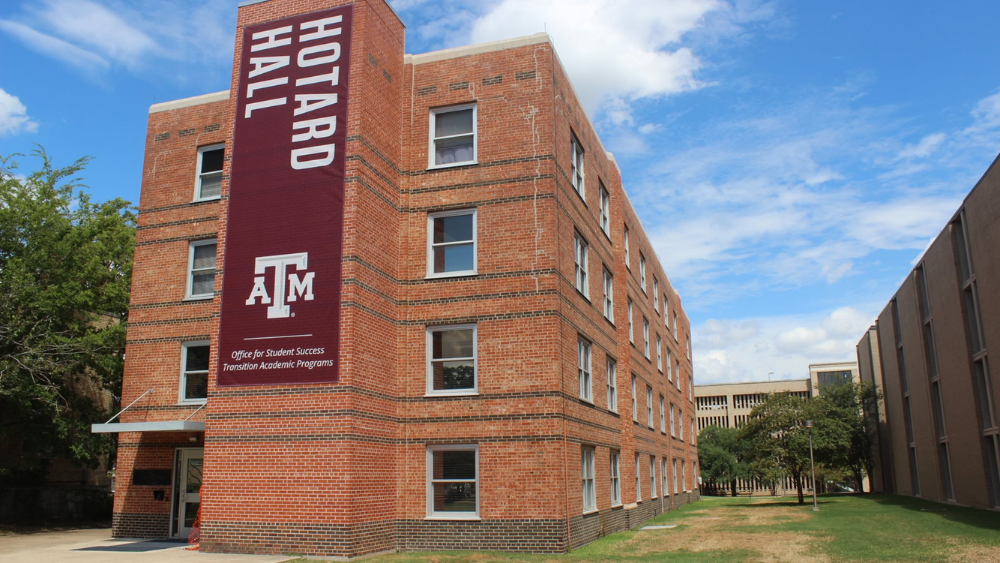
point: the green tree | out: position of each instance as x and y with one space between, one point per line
65 272
775 435
717 456
853 408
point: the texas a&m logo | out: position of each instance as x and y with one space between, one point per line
288 287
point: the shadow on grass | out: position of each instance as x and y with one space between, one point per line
977 517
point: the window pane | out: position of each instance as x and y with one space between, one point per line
196 386
457 258
454 497
211 185
451 123
452 344
204 256
211 161
202 284
455 464
453 229
193 476
450 151
197 358
459 374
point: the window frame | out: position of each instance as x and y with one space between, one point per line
652 476
588 466
182 399
615 478
577 167
431 514
580 264
673 422
649 406
198 174
429 359
645 337
663 415
585 373
659 353
631 326
189 285
635 402
431 244
604 216
432 125
638 480
642 272
612 375
656 295
628 263
609 295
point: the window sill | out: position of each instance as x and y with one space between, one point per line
463 393
462 274
191 402
588 402
453 165
470 518
591 511
199 298
204 199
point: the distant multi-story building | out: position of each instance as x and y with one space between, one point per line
387 301
728 405
929 352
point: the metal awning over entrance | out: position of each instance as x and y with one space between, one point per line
185 425
159 426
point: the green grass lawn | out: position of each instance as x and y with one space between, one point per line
741 530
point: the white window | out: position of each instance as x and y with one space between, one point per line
689 346
680 424
580 259
451 360
583 363
659 353
587 471
663 416
194 371
675 477
670 367
656 295
576 167
684 480
201 270
453 481
628 263
652 477
635 412
691 388
453 136
609 296
642 272
612 385
677 371
663 475
649 406
692 431
638 483
605 205
631 332
451 243
673 428
208 185
675 326
616 486
645 337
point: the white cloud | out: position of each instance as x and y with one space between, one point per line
14 116
727 350
55 47
924 148
614 51
139 35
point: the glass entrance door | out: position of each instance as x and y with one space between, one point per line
189 488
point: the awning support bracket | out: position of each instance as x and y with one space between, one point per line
132 403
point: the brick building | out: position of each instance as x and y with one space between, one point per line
508 348
939 436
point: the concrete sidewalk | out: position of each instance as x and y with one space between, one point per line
95 545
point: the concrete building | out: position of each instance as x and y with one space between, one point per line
387 301
939 436
728 405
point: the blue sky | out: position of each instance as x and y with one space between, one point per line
790 160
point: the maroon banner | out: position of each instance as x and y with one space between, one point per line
280 319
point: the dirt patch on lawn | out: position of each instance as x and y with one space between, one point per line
973 554
720 532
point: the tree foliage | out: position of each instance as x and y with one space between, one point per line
65 272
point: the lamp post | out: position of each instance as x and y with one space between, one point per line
812 464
